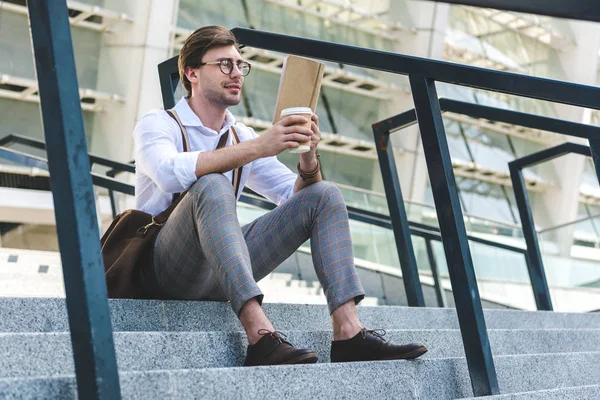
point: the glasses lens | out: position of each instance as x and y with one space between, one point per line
244 68
226 66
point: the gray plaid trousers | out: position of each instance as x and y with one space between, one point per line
202 253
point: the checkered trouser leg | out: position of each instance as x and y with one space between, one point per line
203 253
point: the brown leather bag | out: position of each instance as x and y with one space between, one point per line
127 244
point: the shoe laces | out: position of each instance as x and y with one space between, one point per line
280 337
379 333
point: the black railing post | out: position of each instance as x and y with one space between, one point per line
76 222
435 272
594 141
404 246
452 227
535 264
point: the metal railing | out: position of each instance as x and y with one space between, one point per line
87 304
537 273
382 130
423 73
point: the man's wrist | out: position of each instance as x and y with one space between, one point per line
311 172
256 149
308 161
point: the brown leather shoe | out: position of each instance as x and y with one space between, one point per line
371 346
273 349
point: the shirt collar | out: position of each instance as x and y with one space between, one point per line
189 118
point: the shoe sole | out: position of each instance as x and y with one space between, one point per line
309 358
410 356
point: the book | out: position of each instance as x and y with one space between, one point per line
300 84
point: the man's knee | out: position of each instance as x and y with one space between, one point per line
328 193
212 186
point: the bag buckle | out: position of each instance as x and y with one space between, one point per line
144 229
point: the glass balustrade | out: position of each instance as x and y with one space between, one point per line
501 274
571 255
425 213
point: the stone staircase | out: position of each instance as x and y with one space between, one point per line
181 350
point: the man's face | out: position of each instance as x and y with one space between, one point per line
218 88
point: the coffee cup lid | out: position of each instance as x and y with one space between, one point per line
296 110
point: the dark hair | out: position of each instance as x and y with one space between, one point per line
197 44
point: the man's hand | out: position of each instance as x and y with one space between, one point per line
308 160
284 135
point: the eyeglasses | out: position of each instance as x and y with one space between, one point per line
226 66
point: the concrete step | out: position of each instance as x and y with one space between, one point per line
437 379
49 354
22 279
49 314
591 392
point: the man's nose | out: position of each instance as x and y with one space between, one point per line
235 71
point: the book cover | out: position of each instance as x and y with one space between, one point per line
300 84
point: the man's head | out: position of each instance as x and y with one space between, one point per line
210 65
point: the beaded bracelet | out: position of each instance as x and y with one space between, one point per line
309 174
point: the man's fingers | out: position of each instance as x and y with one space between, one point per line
297 129
296 137
315 127
293 120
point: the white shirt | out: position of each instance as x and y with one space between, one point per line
162 168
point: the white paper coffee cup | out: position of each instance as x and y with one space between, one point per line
305 112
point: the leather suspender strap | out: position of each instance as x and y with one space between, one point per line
186 147
186 140
236 176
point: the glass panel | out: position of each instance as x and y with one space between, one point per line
501 275
571 255
17 54
260 88
484 199
353 114
339 168
456 143
265 15
196 13
25 119
589 182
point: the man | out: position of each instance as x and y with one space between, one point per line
201 252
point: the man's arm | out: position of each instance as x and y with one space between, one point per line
282 136
309 164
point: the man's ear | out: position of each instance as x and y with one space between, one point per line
192 74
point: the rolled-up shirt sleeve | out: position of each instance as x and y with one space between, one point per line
158 154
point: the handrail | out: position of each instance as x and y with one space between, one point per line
40 145
580 10
480 78
423 74
87 305
575 221
72 191
537 273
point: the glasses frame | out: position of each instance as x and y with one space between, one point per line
239 65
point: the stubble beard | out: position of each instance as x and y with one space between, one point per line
220 98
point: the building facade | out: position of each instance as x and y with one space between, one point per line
118 45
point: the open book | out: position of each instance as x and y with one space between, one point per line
300 84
